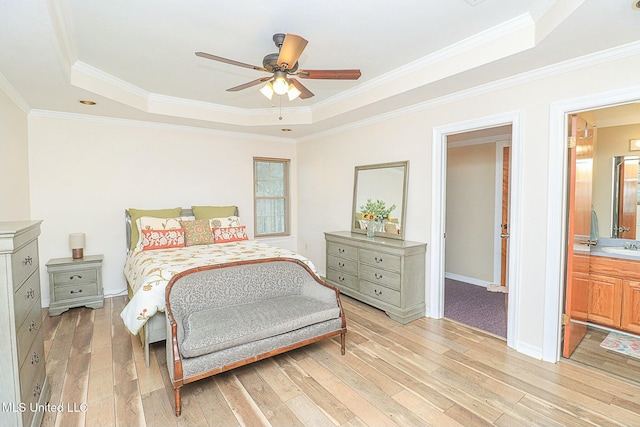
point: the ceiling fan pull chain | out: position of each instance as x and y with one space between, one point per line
280 99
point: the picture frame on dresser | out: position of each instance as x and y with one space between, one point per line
25 388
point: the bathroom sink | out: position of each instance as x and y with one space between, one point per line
634 253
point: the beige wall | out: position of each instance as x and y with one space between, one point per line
610 142
86 172
470 213
325 204
14 161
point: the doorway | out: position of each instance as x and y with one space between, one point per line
602 206
438 213
477 228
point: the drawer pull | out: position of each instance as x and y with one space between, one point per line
340 278
31 293
35 358
33 326
75 276
378 276
27 260
79 291
378 259
377 292
340 250
37 389
341 264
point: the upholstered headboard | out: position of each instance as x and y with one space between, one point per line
128 225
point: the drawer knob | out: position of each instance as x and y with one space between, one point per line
27 260
37 389
33 326
378 276
79 291
340 278
340 250
31 293
377 292
378 259
35 358
341 264
78 276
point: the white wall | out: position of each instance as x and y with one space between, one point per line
326 204
85 172
14 161
470 217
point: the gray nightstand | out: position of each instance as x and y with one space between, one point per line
75 283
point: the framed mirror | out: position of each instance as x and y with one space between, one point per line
379 199
626 197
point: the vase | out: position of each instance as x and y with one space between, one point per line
371 228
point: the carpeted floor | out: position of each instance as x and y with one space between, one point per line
475 306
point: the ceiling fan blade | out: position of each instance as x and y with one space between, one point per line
229 61
330 74
291 50
304 92
249 84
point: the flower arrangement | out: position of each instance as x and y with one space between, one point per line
376 211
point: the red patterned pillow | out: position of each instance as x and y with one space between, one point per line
230 234
162 239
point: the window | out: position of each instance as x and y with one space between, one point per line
271 196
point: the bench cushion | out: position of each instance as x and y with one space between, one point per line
219 328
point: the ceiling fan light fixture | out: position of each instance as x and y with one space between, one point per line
280 85
293 92
267 90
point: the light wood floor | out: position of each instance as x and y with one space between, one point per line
430 372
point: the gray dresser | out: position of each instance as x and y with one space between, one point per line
24 389
386 273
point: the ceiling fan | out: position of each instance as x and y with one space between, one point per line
283 65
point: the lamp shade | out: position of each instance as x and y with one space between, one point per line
76 244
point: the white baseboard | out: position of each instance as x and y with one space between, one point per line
471 280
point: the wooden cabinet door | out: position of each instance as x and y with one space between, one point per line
630 318
605 294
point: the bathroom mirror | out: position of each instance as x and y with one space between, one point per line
626 197
380 190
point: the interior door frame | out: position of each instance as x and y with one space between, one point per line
438 206
557 208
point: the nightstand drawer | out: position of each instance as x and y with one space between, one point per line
76 291
381 260
23 262
75 276
380 292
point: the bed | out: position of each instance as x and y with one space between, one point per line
149 270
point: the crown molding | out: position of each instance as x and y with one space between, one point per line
12 93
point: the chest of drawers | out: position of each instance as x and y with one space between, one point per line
385 273
75 283
25 389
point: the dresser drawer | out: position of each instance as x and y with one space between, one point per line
342 251
342 264
28 332
76 291
70 277
341 279
381 293
381 260
25 297
380 277
24 262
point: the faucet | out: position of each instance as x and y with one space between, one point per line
632 245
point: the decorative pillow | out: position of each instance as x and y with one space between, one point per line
229 221
162 239
206 212
197 232
152 223
156 213
230 234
